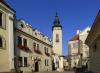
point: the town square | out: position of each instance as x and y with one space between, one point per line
49 36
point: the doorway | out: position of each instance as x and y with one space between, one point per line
36 67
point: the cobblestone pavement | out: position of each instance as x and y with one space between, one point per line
56 72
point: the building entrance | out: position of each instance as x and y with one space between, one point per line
36 67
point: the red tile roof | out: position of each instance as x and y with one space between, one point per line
5 3
76 37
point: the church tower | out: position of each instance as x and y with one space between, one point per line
57 36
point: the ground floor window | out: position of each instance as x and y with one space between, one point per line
46 62
20 61
1 42
25 61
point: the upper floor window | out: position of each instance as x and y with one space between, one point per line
1 43
25 42
19 40
34 46
0 19
75 45
37 46
46 50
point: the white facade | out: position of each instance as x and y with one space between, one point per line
57 46
84 49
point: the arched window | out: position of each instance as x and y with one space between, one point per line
1 42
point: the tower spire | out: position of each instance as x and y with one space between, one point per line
56 20
56 14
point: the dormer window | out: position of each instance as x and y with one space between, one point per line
35 33
22 25
0 19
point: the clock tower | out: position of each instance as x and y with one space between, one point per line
57 36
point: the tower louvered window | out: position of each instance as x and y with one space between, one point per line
57 38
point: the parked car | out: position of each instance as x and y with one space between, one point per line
78 70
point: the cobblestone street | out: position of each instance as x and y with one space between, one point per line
57 72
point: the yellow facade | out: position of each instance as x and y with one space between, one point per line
7 13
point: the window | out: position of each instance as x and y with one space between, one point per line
57 38
1 43
20 62
95 48
34 46
75 45
37 46
22 25
25 42
45 62
19 40
0 19
25 61
35 33
45 49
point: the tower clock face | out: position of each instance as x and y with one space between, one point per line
57 38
